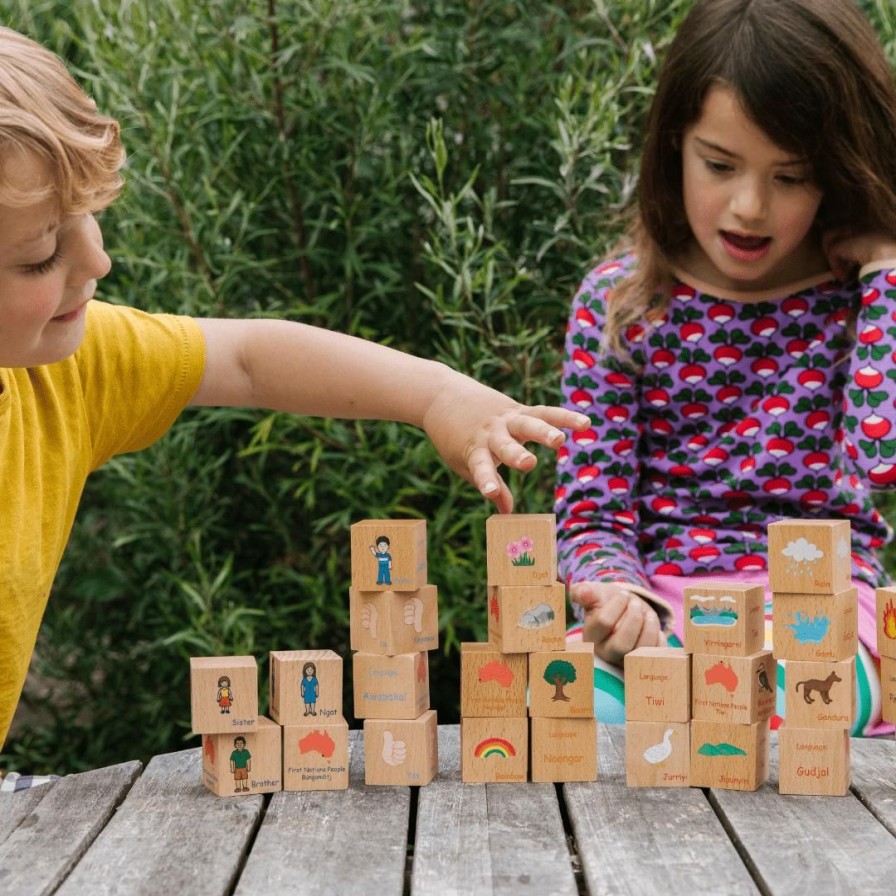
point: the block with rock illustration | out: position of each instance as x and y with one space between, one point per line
526 618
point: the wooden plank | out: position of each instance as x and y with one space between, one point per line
487 838
14 807
171 835
649 840
809 844
874 777
332 842
38 854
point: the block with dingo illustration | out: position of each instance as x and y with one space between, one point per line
820 695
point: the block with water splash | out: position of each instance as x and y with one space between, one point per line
815 627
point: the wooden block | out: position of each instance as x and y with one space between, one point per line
658 685
305 685
494 750
732 757
820 695
223 694
390 687
315 755
250 762
813 761
809 556
561 682
563 749
888 688
526 618
724 618
738 689
886 622
389 555
657 754
492 683
521 549
401 751
392 622
815 627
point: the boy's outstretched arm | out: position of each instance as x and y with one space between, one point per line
294 367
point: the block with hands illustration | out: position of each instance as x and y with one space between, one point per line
724 618
809 556
738 689
521 549
305 685
813 761
388 555
223 694
657 754
401 751
729 756
820 695
248 762
492 683
315 756
563 749
527 618
886 621
657 684
816 627
392 622
494 750
390 687
561 682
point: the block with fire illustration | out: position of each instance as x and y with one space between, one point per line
494 750
820 695
657 754
738 689
562 750
886 622
390 687
315 756
392 622
526 618
561 683
724 618
809 556
401 751
492 684
236 764
521 549
816 627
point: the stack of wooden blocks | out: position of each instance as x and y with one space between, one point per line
526 650
815 635
699 716
304 746
886 647
394 622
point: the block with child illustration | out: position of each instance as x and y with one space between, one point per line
388 555
223 694
304 685
250 762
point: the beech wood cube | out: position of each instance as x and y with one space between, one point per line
815 627
392 622
724 618
729 756
315 755
561 682
248 762
389 555
521 549
524 619
809 556
305 685
563 750
813 761
494 750
223 694
820 695
390 687
492 683
658 684
740 689
657 754
888 688
401 751
886 622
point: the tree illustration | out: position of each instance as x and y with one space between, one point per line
559 673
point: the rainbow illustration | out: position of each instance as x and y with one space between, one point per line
494 746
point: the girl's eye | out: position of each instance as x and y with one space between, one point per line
45 266
717 167
791 180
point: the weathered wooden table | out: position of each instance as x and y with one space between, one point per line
128 830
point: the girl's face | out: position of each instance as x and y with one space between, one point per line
750 204
48 273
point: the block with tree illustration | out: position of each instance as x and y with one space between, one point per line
401 751
390 687
315 755
236 764
392 622
562 750
886 622
809 556
820 695
526 618
223 694
724 618
816 627
521 549
492 683
305 685
740 689
561 683
388 555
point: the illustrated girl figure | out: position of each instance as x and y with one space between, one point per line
383 560
736 354
225 694
310 688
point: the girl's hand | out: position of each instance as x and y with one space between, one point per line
616 620
475 428
846 252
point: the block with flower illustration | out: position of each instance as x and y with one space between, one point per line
521 549
886 622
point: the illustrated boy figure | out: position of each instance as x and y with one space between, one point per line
383 559
240 765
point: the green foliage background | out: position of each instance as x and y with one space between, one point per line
436 175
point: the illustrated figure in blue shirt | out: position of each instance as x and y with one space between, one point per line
383 559
310 688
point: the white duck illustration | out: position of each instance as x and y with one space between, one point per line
660 752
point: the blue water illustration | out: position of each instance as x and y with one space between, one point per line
723 621
809 631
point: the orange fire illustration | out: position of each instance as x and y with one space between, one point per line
889 626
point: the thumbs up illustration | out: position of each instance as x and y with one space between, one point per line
394 751
413 614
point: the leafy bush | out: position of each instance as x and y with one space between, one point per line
437 176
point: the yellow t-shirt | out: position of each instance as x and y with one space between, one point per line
120 391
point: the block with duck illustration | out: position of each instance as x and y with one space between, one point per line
816 627
657 754
724 618
389 555
521 549
526 618
492 683
740 689
820 695
809 556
